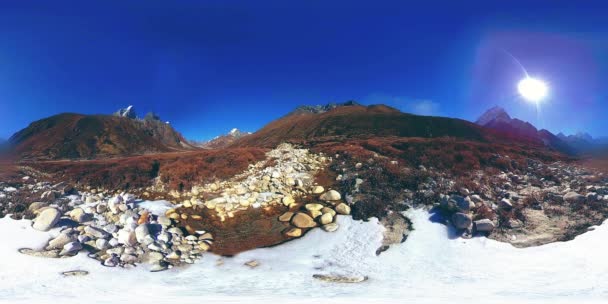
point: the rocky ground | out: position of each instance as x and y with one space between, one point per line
294 190
531 204
118 229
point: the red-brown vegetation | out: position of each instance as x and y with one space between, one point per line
179 170
458 157
358 122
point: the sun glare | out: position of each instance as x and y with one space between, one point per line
532 89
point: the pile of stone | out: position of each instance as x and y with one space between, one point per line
461 208
115 231
321 214
262 185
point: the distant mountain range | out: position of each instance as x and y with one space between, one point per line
78 136
499 120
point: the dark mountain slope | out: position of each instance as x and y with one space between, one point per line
77 136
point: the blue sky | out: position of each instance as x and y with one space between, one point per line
209 66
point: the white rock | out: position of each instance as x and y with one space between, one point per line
101 244
331 195
141 232
47 219
343 208
127 237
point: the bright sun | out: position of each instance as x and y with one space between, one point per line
533 90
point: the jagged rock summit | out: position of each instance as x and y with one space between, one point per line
128 112
494 114
317 109
500 121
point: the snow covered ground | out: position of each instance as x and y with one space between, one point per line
428 268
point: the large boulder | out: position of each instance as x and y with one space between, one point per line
461 220
47 219
141 232
71 248
326 218
61 240
286 217
303 220
463 204
127 237
96 232
78 215
484 225
294 232
331 195
343 208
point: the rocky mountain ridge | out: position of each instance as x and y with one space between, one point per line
498 119
78 136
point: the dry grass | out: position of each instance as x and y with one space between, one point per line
458 157
178 170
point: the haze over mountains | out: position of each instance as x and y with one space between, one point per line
498 119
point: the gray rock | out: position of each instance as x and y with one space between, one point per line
101 244
47 219
484 225
331 195
463 204
505 204
61 240
71 248
461 220
113 242
96 232
141 232
78 215
112 261
127 237
111 228
83 238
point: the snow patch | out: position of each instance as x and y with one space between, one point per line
156 207
428 268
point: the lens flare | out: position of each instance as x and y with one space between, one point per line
532 89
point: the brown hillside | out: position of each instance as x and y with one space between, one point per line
77 136
359 122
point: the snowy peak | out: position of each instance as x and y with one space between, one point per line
493 114
234 132
127 112
223 141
